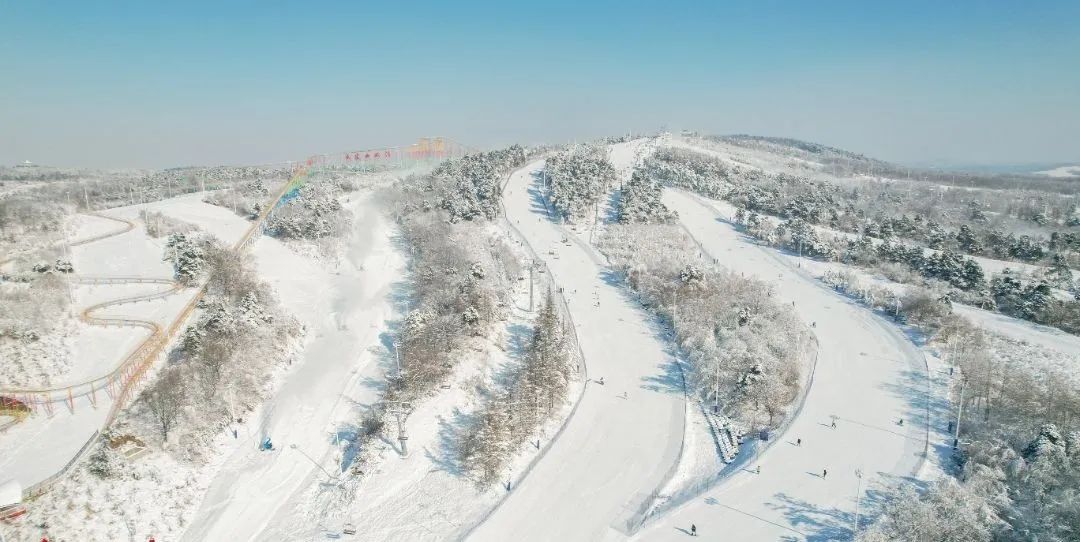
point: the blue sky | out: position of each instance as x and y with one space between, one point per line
155 84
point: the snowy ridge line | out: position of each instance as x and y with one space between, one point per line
565 308
890 325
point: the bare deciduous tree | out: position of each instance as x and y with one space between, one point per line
165 399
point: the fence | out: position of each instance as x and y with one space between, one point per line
41 487
128 226
123 381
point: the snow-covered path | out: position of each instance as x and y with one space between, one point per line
614 452
344 313
868 375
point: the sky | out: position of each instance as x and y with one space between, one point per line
162 84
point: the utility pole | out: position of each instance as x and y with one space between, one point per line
858 497
716 390
400 410
397 360
675 311
959 412
596 219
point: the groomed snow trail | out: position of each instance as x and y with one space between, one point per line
869 376
614 452
344 314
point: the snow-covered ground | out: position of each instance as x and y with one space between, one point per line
1016 329
213 219
345 313
425 495
869 376
42 444
614 453
38 447
1061 172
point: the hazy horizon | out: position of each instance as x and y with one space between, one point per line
116 85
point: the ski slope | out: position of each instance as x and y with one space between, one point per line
344 313
600 474
868 375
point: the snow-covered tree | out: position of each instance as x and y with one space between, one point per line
640 202
187 256
577 178
165 398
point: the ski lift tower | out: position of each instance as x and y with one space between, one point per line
400 410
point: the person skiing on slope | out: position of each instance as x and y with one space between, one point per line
693 530
798 442
824 473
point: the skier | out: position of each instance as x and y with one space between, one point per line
693 530
834 423
759 469
901 422
798 442
601 381
813 324
824 473
234 433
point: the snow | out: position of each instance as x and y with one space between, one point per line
1016 329
41 445
88 226
1021 330
217 221
10 493
1061 172
345 313
423 496
614 452
131 254
869 375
